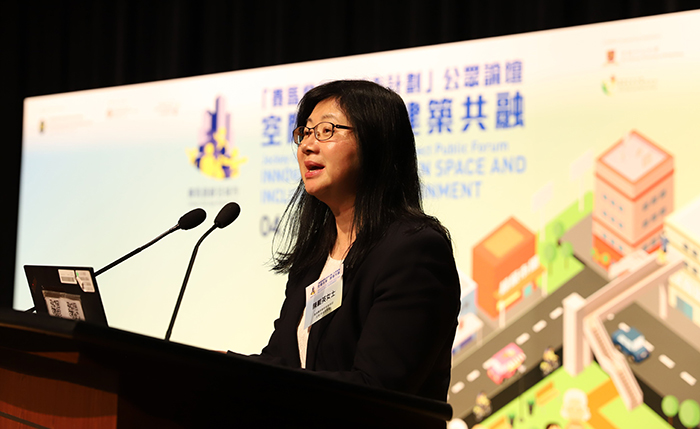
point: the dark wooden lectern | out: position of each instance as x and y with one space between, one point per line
61 374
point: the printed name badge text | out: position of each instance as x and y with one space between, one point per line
323 297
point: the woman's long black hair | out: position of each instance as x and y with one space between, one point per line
388 189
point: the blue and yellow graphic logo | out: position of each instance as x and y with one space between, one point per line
216 156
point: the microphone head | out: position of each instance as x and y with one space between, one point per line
192 219
228 214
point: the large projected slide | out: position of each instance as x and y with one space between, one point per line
558 160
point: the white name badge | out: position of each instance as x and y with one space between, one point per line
323 296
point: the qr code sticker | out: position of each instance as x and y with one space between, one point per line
64 305
73 310
54 306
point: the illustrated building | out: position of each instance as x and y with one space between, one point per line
468 293
505 267
469 326
682 229
633 194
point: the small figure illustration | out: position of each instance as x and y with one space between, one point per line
574 408
550 361
482 409
663 250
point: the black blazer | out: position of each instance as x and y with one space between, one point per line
396 324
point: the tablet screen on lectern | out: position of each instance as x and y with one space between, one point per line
66 292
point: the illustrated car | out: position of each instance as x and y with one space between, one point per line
504 363
631 343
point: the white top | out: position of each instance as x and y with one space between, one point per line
303 334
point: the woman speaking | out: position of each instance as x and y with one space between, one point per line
373 293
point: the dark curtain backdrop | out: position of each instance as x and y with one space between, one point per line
60 46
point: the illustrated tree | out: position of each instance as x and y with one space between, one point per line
511 418
689 413
558 230
669 405
567 251
549 253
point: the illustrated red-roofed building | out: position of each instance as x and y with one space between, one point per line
633 194
505 267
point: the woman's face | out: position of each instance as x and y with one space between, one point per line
330 169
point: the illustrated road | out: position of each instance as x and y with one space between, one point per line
673 367
537 329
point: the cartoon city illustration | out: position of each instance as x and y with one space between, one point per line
593 322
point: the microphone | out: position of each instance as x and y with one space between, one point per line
226 216
191 219
187 221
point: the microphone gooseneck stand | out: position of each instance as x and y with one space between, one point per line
226 216
184 282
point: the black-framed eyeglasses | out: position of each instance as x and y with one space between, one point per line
323 131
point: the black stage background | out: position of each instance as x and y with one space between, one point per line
59 46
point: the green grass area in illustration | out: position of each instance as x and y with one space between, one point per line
590 379
572 215
563 267
641 417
